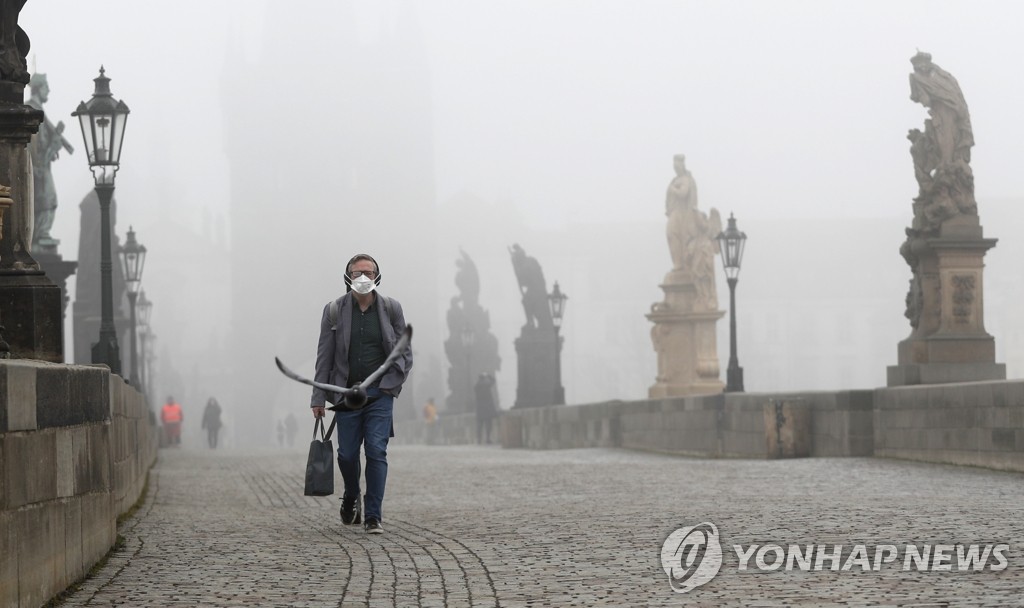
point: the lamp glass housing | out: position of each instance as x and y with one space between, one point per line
731 242
133 260
103 121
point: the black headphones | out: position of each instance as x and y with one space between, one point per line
356 258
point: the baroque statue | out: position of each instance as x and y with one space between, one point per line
942 152
683 334
691 234
472 354
533 288
45 148
945 245
941 155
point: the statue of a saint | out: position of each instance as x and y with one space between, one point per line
691 233
941 155
950 123
45 147
471 347
533 288
680 203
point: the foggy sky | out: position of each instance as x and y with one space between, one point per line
562 112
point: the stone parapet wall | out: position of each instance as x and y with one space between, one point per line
973 423
76 443
722 425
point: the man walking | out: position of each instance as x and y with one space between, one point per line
357 332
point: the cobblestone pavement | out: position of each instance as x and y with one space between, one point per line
481 526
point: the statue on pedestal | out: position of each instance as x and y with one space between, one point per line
941 155
475 354
538 347
45 148
944 247
683 334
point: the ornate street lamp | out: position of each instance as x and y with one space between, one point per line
103 120
556 300
145 307
731 242
468 337
133 259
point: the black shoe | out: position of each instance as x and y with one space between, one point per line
372 526
350 511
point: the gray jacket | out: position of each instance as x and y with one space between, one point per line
332 349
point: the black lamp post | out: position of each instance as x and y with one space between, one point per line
731 242
103 120
468 336
556 300
145 308
133 259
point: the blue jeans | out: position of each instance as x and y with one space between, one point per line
369 427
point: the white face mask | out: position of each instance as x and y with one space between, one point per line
363 285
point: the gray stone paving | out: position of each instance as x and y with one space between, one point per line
481 526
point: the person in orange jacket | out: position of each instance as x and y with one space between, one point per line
172 417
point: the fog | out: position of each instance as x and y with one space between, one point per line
267 146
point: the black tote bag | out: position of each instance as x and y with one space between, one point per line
320 462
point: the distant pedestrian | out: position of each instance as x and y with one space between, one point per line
280 433
171 417
291 427
430 420
486 407
211 422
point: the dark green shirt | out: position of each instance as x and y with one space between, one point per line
366 345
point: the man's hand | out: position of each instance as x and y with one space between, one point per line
318 412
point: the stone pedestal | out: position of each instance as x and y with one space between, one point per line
58 270
685 338
950 343
539 384
30 303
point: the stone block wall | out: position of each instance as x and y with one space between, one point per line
721 425
973 423
450 429
76 443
